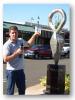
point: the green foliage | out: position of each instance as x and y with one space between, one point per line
43 81
67 83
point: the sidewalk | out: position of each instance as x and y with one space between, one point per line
34 90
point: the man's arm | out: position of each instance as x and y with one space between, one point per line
32 39
12 56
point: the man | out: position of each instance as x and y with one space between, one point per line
12 54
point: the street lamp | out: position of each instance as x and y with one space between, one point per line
32 19
38 28
38 18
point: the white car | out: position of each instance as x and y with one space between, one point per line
29 54
66 50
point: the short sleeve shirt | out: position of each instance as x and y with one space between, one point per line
8 48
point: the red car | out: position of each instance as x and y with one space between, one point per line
39 51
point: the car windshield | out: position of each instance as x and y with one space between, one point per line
34 46
40 46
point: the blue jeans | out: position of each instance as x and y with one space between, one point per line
15 77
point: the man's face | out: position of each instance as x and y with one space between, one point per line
13 35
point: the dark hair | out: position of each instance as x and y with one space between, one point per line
13 28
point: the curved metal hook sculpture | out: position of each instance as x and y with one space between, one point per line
57 40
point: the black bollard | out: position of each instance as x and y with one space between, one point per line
55 83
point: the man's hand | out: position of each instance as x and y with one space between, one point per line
18 51
37 34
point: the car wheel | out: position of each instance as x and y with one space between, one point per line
68 55
36 56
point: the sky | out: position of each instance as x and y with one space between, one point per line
19 13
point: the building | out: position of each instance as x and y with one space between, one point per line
26 30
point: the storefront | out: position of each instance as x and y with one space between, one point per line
26 31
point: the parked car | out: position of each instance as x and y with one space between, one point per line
38 51
29 54
65 50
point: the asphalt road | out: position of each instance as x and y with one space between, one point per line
36 69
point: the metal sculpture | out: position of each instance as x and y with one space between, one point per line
57 40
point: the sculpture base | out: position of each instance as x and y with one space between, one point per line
55 83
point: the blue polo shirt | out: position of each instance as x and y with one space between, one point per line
8 48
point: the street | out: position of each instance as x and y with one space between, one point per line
36 69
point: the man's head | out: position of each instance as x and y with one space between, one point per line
13 33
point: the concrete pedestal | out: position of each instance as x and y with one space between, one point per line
55 79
